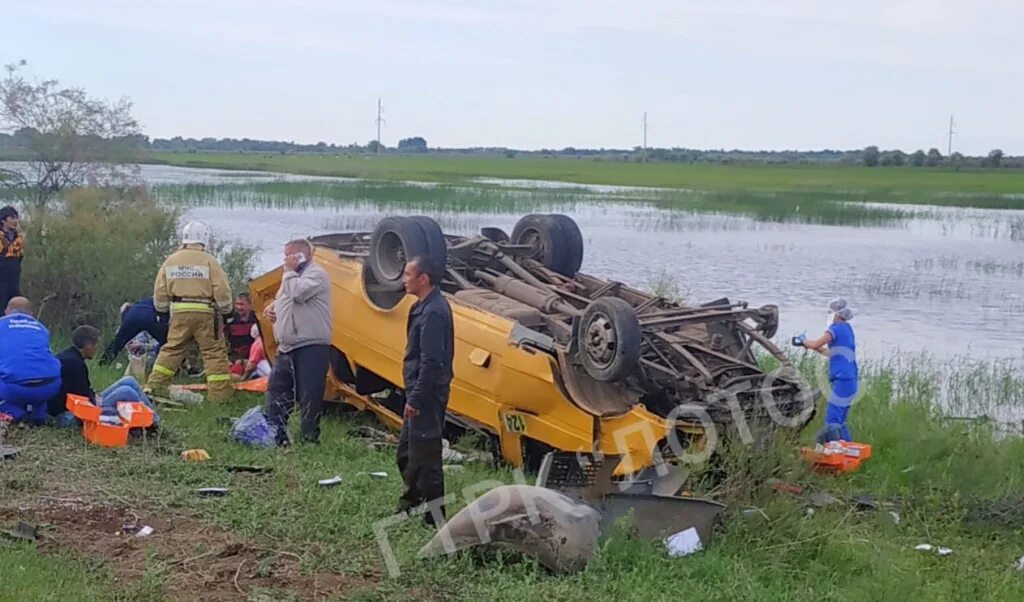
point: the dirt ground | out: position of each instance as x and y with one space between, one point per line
194 561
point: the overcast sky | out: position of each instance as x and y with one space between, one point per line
752 74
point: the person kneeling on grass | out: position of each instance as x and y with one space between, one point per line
85 342
29 374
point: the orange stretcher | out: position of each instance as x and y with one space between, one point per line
844 457
256 385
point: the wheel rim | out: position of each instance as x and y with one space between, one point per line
532 239
391 255
601 341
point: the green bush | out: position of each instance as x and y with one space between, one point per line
100 247
90 253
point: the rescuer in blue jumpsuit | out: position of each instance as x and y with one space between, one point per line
141 316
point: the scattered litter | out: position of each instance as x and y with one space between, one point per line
250 469
373 435
129 528
1020 564
452 468
821 499
895 517
810 512
145 531
195 455
753 514
331 482
23 532
684 543
375 475
866 502
180 394
784 487
253 429
9 452
213 491
907 469
927 547
451 455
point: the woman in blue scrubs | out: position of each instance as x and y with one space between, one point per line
838 344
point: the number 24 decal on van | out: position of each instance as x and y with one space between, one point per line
515 423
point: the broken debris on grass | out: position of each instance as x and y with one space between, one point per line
684 543
213 491
939 551
22 532
9 452
331 482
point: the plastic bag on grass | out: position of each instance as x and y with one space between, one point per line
253 429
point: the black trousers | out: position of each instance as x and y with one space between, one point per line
10 287
298 376
419 461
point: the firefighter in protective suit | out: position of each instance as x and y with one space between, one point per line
193 288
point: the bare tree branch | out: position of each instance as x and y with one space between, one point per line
72 139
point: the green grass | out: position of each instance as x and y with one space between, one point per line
955 483
977 188
26 574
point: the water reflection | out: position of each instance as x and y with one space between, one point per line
944 280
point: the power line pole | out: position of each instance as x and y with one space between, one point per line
645 138
380 121
949 146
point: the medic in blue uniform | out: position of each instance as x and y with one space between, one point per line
839 345
29 373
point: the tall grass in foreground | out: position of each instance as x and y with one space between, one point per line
950 483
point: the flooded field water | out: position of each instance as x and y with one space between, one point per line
935 280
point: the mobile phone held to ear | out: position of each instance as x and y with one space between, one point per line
300 258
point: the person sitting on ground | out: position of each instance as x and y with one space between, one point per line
257 365
839 346
29 374
238 327
136 318
85 342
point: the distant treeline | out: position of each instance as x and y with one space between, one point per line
11 144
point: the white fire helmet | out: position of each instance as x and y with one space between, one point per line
195 233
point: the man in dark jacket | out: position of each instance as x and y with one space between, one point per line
427 371
74 373
12 249
140 316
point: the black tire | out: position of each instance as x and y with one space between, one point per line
395 240
609 345
543 233
495 235
437 246
573 247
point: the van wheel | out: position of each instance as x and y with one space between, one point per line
609 345
437 246
544 236
395 240
572 258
